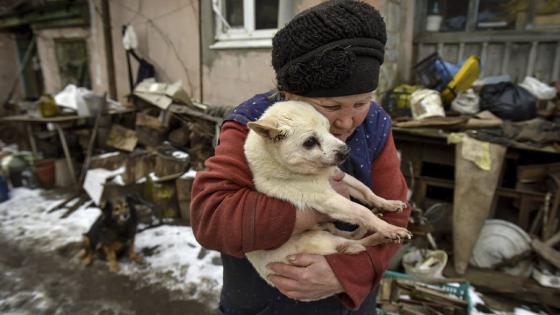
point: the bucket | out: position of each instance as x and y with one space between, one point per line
44 171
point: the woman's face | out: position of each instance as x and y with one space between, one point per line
344 113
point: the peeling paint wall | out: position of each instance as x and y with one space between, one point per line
49 66
171 37
168 37
233 75
8 65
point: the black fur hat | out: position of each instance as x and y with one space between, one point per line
332 49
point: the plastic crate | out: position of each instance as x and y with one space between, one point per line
461 291
432 73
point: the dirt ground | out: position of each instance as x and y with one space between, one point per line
36 283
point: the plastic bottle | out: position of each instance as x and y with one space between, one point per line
47 106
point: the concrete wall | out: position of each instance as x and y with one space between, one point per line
233 75
49 65
171 37
168 37
8 65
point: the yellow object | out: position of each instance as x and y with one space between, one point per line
47 106
463 80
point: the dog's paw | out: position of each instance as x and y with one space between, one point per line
114 267
395 233
87 260
375 239
351 248
393 205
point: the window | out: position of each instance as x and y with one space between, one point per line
73 64
482 15
249 23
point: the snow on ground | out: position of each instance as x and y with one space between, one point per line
173 259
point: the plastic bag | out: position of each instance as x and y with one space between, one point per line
508 101
466 102
73 97
539 89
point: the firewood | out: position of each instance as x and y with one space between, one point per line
170 161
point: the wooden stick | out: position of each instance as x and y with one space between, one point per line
85 166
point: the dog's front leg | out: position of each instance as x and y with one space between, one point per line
111 255
132 253
340 208
361 192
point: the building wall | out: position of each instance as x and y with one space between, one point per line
49 65
233 75
8 65
168 37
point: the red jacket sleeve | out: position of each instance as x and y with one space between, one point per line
359 274
224 202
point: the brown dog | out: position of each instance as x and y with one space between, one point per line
112 234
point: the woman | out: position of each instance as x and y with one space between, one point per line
328 56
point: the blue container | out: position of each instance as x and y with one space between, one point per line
4 192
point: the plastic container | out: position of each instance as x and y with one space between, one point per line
4 191
427 264
462 80
45 173
47 106
499 240
426 103
432 73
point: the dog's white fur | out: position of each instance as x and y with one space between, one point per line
292 155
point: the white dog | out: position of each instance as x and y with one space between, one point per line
292 155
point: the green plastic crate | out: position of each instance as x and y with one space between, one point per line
461 291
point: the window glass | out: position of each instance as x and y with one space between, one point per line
547 12
266 14
502 14
234 12
446 16
73 65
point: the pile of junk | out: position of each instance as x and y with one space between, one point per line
461 245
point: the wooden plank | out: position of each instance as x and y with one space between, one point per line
472 49
440 48
488 36
544 60
519 288
517 67
450 53
424 51
531 59
505 60
548 253
494 56
484 59
556 65
461 56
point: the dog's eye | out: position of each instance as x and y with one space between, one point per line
310 142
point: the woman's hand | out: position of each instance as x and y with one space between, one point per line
307 277
338 185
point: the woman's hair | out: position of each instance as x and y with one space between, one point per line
332 49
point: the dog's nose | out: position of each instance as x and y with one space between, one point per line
342 154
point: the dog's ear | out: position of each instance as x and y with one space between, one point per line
268 128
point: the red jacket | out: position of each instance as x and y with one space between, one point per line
228 215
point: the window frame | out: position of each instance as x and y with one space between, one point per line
472 20
241 37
